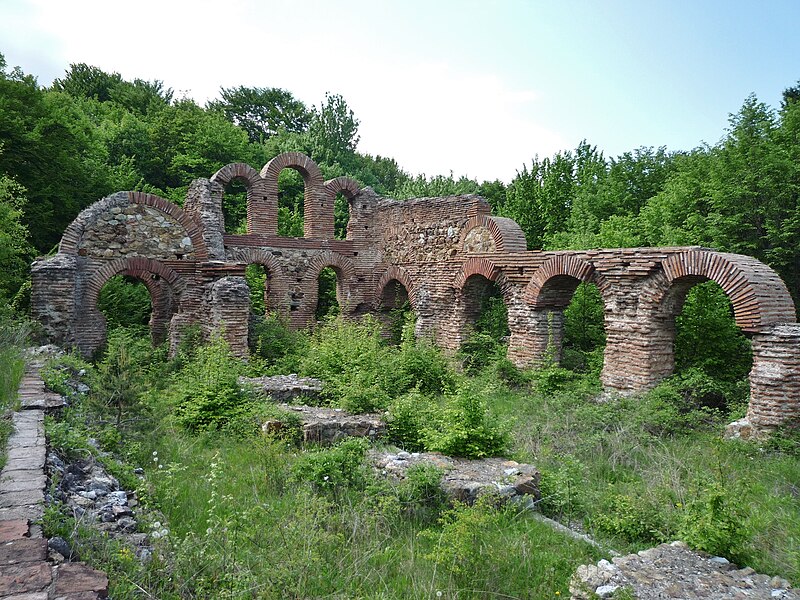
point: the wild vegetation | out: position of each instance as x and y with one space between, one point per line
236 514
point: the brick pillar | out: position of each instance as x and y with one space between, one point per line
204 204
536 335
639 342
774 382
229 311
53 297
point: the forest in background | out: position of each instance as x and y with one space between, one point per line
92 133
630 471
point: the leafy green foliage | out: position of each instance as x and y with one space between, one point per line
116 381
333 468
633 519
208 394
707 337
125 302
262 112
327 302
467 427
715 521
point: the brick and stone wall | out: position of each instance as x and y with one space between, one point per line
442 254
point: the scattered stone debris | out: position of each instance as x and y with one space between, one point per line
463 479
94 497
286 388
675 571
329 425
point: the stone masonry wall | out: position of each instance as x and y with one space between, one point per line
442 253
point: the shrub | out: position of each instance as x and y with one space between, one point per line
715 521
207 393
419 365
352 361
461 546
631 518
466 427
407 418
330 469
276 344
479 351
116 380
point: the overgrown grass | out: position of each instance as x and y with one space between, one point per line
256 516
12 367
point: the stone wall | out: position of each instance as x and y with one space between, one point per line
443 254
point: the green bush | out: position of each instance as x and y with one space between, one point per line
715 521
116 381
407 418
207 393
631 518
278 346
418 365
461 545
479 351
352 360
466 427
331 469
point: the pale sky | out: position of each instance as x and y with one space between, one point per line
476 88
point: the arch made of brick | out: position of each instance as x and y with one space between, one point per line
347 187
258 204
277 285
345 274
164 296
506 233
555 282
135 264
73 234
400 275
758 295
317 209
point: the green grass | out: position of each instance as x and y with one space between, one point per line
246 522
12 368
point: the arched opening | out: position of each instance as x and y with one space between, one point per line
712 356
341 216
584 330
125 302
393 310
137 301
257 278
291 200
327 296
234 206
485 323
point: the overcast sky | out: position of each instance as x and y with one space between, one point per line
477 88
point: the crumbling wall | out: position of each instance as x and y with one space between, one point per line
442 253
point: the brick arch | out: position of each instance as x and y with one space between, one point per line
347 186
258 204
138 266
399 274
74 233
506 233
277 286
327 258
555 282
249 256
345 273
758 295
476 266
317 209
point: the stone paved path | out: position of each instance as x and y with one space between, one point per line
25 573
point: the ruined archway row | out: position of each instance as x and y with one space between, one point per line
429 252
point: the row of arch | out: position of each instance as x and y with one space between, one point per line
551 287
262 194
